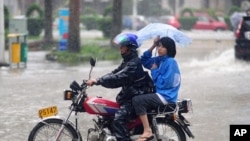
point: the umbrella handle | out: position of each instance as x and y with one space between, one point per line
155 53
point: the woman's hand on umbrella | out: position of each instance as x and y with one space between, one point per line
155 43
156 40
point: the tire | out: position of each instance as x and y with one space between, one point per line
48 131
170 130
236 54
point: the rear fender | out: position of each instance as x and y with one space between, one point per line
181 120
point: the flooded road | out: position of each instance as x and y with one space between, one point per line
217 84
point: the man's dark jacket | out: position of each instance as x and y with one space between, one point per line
129 75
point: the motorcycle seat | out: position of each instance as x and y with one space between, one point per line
165 109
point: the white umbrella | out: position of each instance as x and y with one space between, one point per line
153 30
235 18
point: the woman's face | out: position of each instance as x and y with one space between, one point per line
161 50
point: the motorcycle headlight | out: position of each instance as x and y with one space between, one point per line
68 94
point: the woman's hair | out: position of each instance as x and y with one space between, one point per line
169 44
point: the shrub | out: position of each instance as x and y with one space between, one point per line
89 50
6 17
35 20
105 26
227 21
35 26
187 23
90 21
187 19
187 12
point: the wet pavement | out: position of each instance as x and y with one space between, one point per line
217 83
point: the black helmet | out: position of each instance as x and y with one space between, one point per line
126 39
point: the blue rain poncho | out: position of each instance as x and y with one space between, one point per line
166 77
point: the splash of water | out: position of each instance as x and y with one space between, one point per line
225 62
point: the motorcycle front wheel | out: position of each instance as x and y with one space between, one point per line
48 129
170 131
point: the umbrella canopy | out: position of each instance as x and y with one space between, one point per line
235 18
153 30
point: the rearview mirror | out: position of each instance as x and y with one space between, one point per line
92 61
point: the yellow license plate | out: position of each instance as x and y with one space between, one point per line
48 111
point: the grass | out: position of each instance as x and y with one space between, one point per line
90 49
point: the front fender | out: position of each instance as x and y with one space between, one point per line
59 118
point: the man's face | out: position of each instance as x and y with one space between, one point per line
124 50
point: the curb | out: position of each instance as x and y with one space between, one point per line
4 65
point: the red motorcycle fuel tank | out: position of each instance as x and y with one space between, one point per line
100 106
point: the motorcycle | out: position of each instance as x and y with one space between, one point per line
167 122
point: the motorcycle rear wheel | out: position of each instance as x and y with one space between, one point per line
48 130
170 130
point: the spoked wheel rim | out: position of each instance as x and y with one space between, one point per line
49 132
169 132
48 129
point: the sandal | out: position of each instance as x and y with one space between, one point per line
147 138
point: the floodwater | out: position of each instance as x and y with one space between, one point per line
217 83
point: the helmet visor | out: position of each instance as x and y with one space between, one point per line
125 40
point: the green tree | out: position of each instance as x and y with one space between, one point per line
48 6
116 18
74 20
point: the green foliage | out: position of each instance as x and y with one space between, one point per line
35 26
34 11
89 11
227 20
234 9
108 11
187 19
187 22
90 18
101 53
105 25
67 57
187 12
89 50
90 21
35 20
6 17
211 12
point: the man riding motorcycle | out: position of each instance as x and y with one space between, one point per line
130 76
